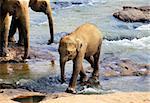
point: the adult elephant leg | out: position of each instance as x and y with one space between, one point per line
13 29
25 33
4 36
15 23
24 30
21 37
1 42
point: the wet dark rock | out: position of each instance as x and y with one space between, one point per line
77 3
63 4
121 26
7 85
44 85
136 26
1 91
16 53
134 14
121 38
113 66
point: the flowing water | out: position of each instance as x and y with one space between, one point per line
124 40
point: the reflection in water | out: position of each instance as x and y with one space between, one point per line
42 69
14 71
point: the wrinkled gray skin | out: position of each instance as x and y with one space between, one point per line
19 10
84 43
38 6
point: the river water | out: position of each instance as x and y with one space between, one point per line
124 40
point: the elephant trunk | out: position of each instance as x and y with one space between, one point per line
27 40
51 29
62 69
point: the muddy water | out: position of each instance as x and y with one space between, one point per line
15 72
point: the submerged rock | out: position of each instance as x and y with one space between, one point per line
113 66
134 14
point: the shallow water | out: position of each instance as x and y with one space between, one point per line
108 85
69 17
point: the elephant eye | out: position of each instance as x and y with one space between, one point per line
68 52
15 6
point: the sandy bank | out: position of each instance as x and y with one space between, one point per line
118 97
122 97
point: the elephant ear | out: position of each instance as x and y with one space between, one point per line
44 3
17 3
43 6
79 44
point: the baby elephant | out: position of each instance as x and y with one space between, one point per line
83 43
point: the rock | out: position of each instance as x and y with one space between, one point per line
7 85
113 66
16 53
134 14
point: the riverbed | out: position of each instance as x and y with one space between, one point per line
122 40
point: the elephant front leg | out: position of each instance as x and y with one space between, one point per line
62 67
4 37
77 66
4 43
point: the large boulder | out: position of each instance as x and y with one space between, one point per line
134 14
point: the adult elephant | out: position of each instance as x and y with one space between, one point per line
19 10
38 6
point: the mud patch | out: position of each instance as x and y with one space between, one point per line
29 99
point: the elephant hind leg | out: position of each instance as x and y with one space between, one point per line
96 63
90 60
83 76
21 38
13 29
94 80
